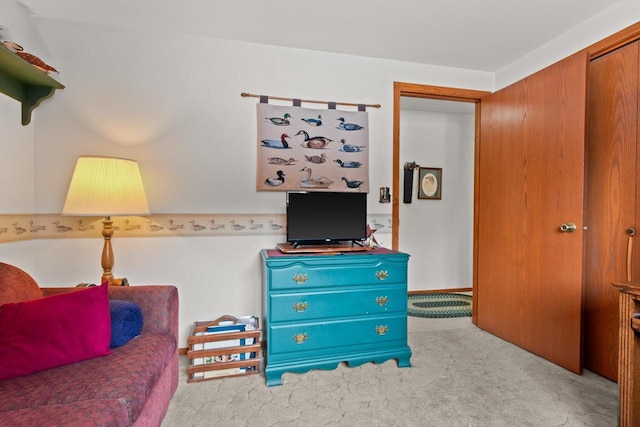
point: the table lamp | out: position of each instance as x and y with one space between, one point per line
106 186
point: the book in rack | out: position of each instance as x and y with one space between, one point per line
225 347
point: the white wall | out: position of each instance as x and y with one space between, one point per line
17 160
611 20
16 193
439 233
173 103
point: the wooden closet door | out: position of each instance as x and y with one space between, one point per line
530 182
611 200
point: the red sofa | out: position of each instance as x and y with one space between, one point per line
131 386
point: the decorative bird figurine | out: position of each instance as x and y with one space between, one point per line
348 164
13 47
350 148
353 183
280 121
348 126
274 143
18 50
275 181
316 182
317 159
316 142
36 62
281 161
313 122
4 39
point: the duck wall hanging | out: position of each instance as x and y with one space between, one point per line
280 121
325 150
313 121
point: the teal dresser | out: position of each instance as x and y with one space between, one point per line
323 309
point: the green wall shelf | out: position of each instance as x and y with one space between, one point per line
24 82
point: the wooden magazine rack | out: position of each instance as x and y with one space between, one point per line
219 354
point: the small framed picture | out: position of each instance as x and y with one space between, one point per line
430 183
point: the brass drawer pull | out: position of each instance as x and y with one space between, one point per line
382 301
300 306
382 329
300 338
382 274
300 278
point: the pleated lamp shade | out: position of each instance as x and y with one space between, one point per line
106 186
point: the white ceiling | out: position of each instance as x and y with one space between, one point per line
483 35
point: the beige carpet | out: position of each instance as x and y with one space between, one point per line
460 376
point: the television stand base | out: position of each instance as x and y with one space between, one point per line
290 248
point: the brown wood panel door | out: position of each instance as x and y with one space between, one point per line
610 205
530 181
501 207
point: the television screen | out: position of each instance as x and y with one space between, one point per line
326 217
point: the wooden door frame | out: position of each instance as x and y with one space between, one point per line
627 416
443 93
602 47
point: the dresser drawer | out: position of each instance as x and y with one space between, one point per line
337 335
331 304
305 275
323 309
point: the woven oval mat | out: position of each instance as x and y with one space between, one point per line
436 305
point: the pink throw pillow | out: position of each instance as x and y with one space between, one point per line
54 331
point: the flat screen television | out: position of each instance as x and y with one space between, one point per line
315 218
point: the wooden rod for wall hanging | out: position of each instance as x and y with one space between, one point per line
245 94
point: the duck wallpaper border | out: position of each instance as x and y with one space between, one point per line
304 149
17 227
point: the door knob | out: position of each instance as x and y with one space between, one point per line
568 227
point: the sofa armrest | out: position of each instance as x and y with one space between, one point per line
158 303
